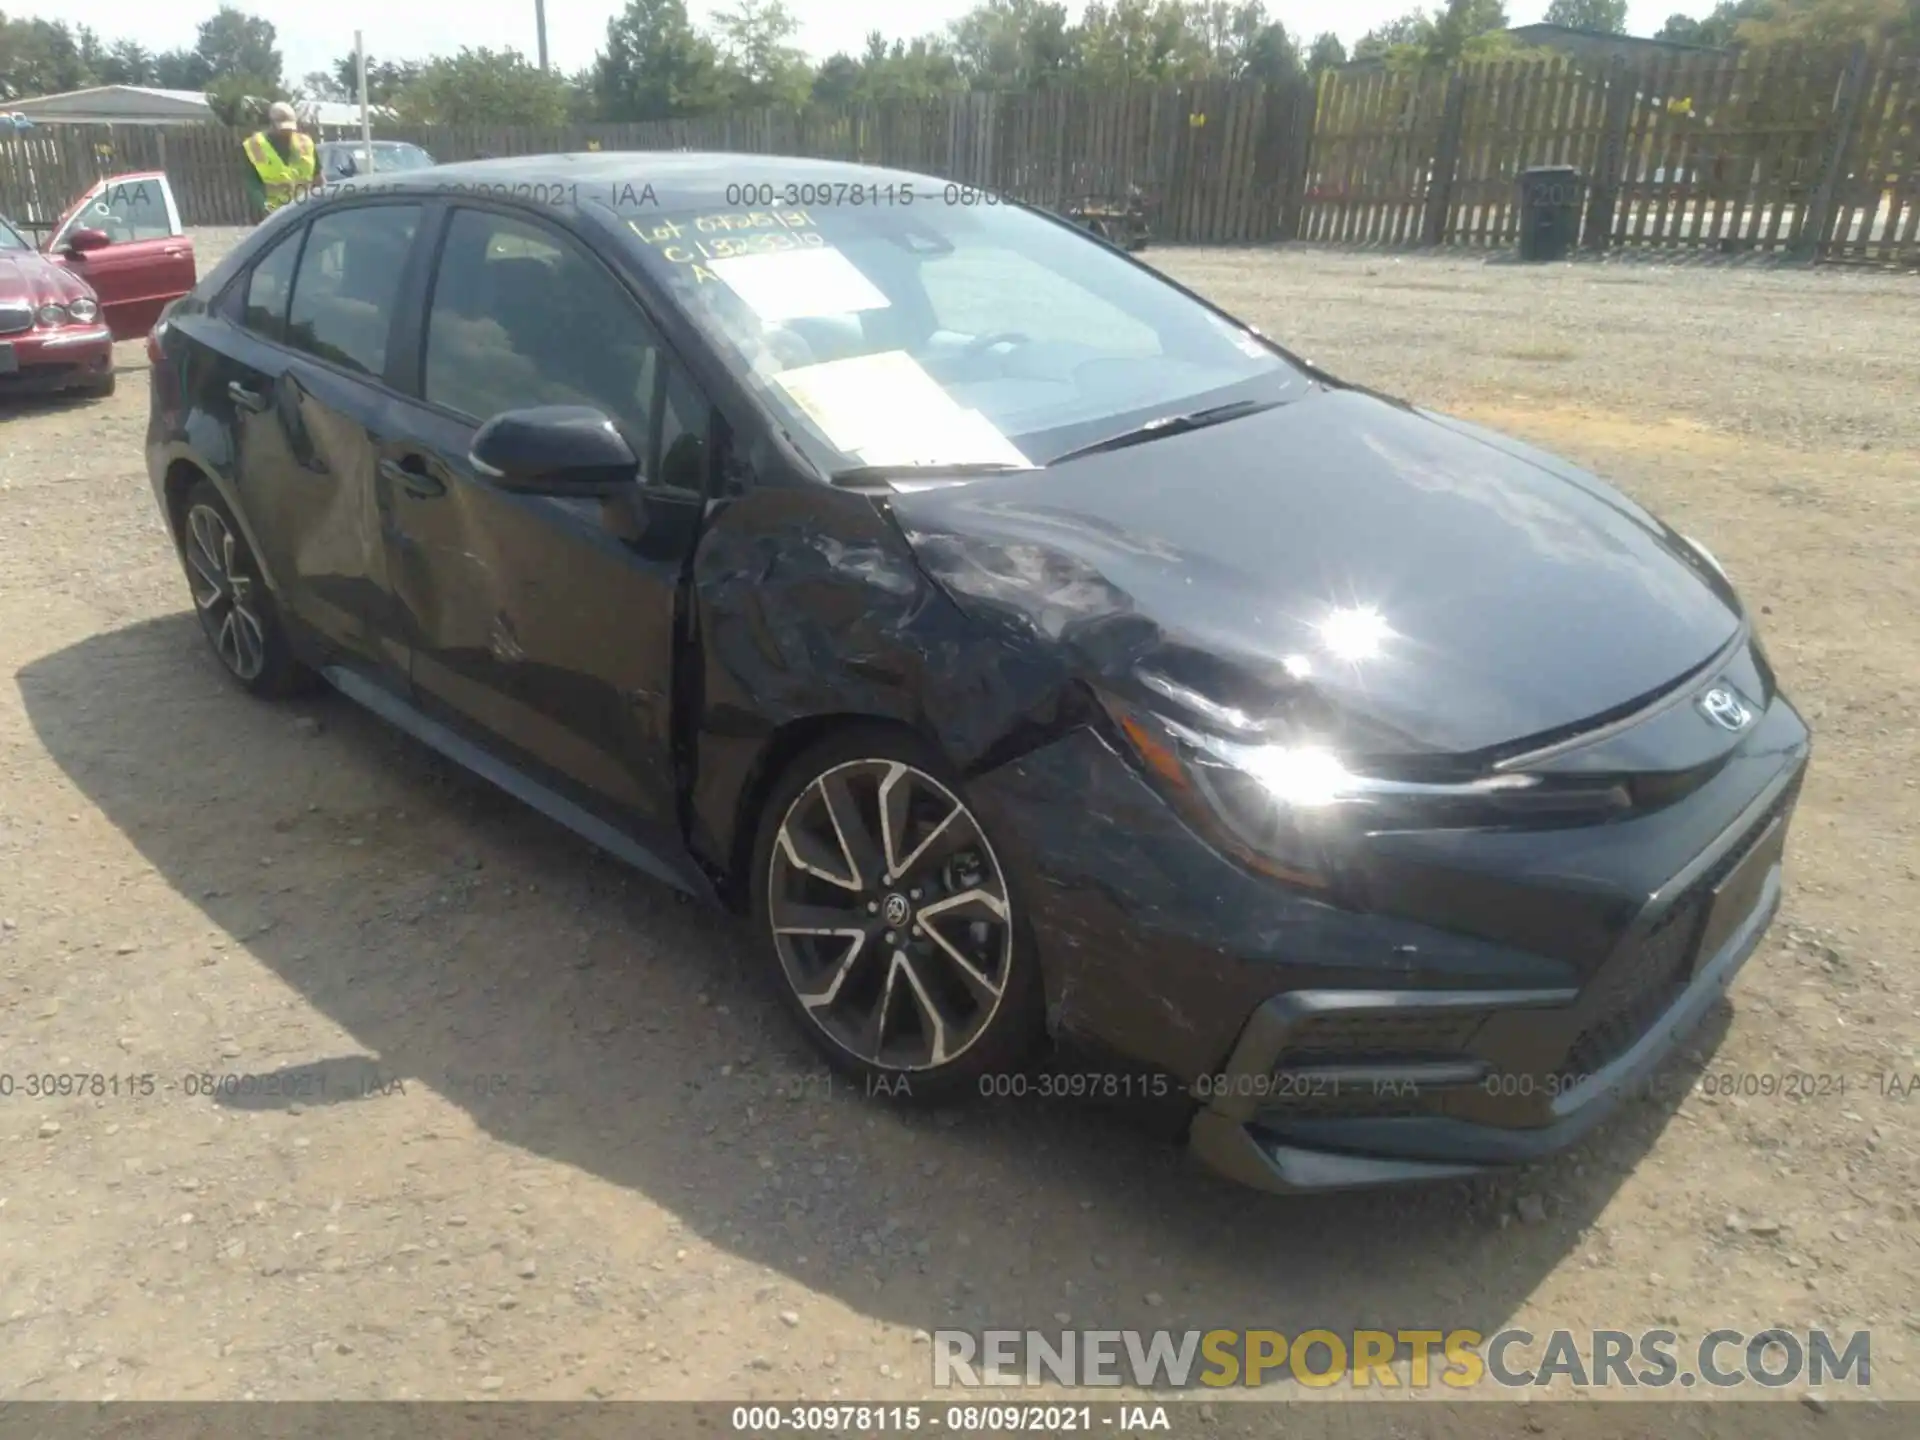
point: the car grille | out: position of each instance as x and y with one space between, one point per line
1347 1102
1634 993
1361 1037
15 317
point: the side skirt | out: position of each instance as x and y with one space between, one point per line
515 782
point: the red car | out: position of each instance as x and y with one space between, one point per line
117 258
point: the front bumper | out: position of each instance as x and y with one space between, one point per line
1324 1048
48 361
1268 1149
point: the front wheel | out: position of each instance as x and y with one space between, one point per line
895 934
236 609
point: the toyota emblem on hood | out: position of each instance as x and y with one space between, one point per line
1726 709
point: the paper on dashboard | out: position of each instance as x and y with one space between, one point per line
788 284
888 411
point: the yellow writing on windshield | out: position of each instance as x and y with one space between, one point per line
706 238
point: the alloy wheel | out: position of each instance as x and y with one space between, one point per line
223 593
890 915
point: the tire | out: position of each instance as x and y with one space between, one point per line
236 610
926 1018
101 389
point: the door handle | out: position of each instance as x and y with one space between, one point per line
413 481
246 399
173 252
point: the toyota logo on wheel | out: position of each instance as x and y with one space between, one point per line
1726 709
895 909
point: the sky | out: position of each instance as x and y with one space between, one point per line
312 35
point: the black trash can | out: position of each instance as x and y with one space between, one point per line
1550 197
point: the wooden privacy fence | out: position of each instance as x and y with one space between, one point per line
43 170
1810 154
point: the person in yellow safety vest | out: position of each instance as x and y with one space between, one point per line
281 158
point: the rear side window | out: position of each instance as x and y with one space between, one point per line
268 285
348 282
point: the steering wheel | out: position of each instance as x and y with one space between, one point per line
981 344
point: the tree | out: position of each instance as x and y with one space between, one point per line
1150 41
484 87
656 65
1832 23
837 80
1461 24
581 105
40 57
128 63
242 100
1327 53
181 70
763 66
1716 29
912 70
235 43
321 85
1244 42
1013 44
1465 30
1412 28
385 78
1608 17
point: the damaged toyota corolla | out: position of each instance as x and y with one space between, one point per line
1035 653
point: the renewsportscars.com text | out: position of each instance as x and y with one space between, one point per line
1395 1359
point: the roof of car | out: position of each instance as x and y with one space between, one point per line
676 176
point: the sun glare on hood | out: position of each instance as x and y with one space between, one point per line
1355 632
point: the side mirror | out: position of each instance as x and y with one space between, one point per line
83 240
554 450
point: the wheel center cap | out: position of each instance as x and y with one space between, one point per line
895 909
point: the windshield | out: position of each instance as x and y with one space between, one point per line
342 160
10 238
948 334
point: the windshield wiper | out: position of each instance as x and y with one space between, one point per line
1170 425
882 474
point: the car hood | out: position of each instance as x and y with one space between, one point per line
30 278
1395 581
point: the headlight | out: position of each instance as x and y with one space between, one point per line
1289 808
1272 806
83 310
51 314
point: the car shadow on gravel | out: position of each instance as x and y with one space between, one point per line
577 1011
25 407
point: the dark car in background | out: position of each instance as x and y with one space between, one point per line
1030 649
343 159
109 266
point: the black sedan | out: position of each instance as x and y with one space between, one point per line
1043 659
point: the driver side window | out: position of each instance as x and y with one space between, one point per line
129 210
520 315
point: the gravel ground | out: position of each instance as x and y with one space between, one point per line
568 1146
